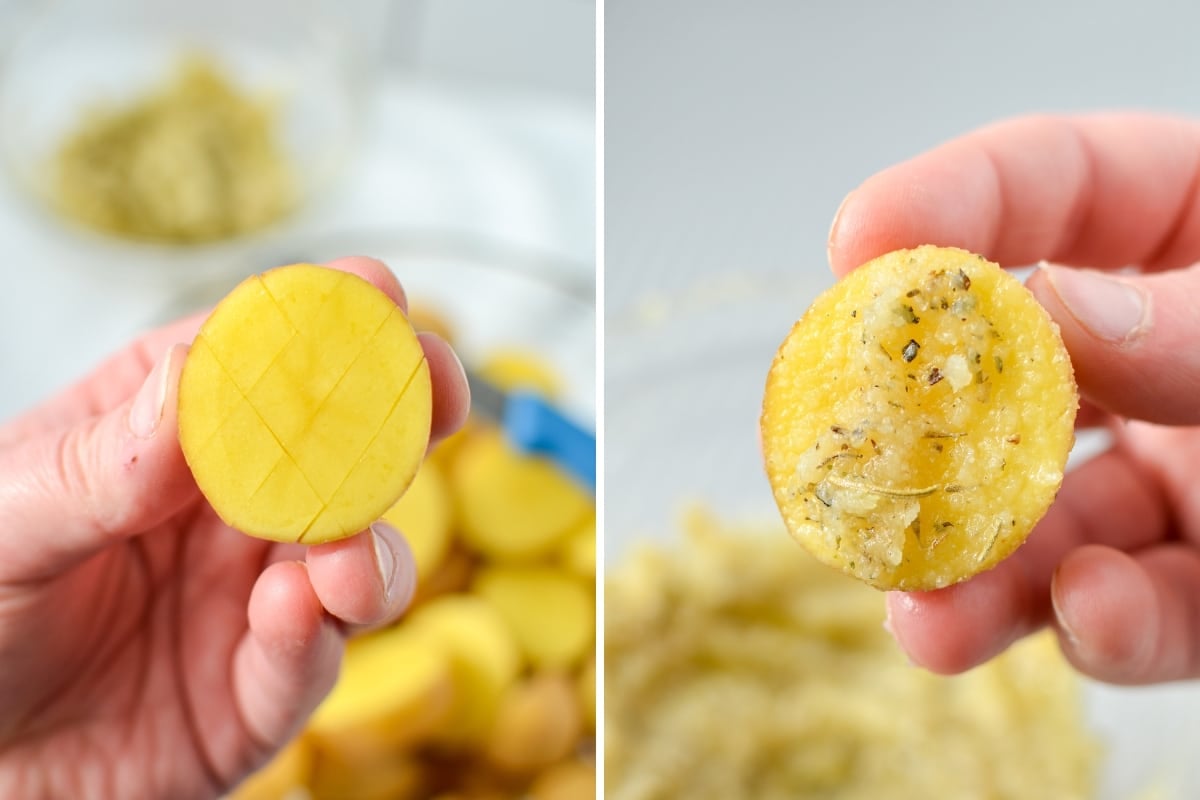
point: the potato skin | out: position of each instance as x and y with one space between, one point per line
917 419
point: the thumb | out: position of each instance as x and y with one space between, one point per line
66 494
1132 338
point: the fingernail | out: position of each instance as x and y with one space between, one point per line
1060 619
1112 309
397 571
147 410
461 369
908 604
837 215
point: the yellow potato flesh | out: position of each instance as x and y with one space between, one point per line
338 778
304 405
570 780
518 369
917 420
425 515
538 723
484 659
513 507
394 688
578 550
585 689
550 613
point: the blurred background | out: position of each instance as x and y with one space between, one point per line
732 132
453 141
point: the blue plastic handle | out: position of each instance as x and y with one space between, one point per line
534 426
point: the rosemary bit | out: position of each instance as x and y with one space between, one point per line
885 491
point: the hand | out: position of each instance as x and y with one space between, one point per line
1114 566
146 649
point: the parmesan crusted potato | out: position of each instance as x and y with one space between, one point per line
917 419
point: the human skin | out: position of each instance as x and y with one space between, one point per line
147 650
1114 566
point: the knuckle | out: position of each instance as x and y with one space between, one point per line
81 475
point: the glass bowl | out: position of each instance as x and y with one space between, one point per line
77 54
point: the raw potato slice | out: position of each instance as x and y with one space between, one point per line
394 689
452 576
537 724
515 369
484 659
917 419
343 777
424 516
570 780
513 507
578 550
585 690
304 405
551 614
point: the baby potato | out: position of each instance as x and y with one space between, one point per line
516 369
585 692
395 688
578 550
511 506
425 515
917 420
452 576
338 778
550 613
304 405
570 780
484 660
538 723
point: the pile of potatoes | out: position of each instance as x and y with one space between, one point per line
486 689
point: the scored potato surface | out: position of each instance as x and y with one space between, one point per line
917 419
304 405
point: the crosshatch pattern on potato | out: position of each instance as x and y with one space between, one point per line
917 419
304 405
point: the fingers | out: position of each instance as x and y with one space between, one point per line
1130 619
66 494
1131 338
366 580
1108 500
1106 190
376 272
452 395
298 612
288 659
